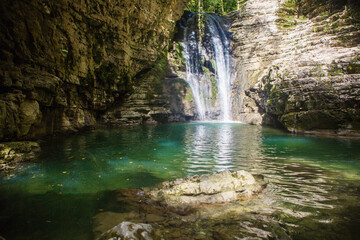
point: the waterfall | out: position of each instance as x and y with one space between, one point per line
208 70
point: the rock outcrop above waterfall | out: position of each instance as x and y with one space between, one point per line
297 67
169 208
65 63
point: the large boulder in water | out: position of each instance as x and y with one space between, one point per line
221 187
172 206
129 230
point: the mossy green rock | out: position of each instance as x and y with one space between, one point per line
13 153
309 105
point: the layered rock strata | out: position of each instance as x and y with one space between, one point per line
163 96
297 66
65 63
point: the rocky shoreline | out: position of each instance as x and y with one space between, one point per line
13 154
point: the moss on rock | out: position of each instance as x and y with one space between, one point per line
67 55
13 153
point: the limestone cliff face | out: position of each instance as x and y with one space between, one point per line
162 96
63 64
297 66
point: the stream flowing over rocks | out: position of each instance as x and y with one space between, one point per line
165 210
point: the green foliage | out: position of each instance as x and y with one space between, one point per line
354 66
289 14
156 76
345 25
106 73
179 54
215 6
189 97
353 17
317 71
87 81
335 70
214 88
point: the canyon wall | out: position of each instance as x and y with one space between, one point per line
297 65
69 65
65 64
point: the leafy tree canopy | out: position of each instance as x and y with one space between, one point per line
215 6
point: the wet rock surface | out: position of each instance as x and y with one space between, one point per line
178 209
216 188
302 72
160 98
129 230
64 64
292 206
14 153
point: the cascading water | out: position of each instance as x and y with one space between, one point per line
208 70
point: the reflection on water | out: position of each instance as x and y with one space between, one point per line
313 191
209 148
224 140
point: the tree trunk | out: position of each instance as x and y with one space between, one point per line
238 4
199 19
222 7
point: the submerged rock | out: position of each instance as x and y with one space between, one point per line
172 206
128 230
221 187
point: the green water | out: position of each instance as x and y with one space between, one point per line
314 182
